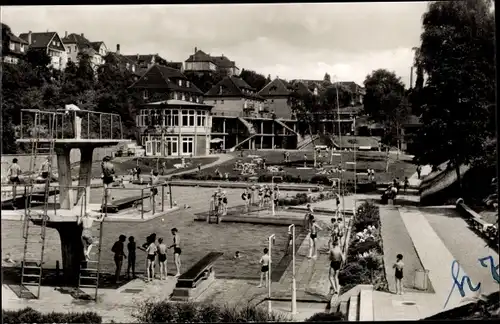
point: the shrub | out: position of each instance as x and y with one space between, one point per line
363 247
327 317
366 215
320 179
164 311
29 315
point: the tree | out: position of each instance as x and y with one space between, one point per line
385 102
458 56
327 78
254 79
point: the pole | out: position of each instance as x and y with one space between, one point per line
270 243
355 162
340 147
142 203
272 198
170 193
294 284
163 197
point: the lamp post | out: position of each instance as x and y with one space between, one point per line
270 243
294 285
340 146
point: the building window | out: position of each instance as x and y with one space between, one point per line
187 84
21 48
180 83
12 46
175 117
188 118
187 145
201 118
145 94
183 97
143 142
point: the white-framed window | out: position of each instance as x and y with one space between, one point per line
175 117
180 83
201 118
187 84
197 99
145 94
188 118
12 46
21 48
187 145
143 140
183 97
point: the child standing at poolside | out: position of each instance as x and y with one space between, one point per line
398 266
265 260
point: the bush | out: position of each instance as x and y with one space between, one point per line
362 247
327 317
29 315
366 215
320 179
164 311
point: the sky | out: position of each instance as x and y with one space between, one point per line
290 41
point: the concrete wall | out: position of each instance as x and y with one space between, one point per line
24 160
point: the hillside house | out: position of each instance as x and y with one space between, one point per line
51 44
202 62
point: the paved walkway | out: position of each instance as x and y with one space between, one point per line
414 181
222 159
397 240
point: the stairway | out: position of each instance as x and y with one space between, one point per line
248 125
306 142
356 304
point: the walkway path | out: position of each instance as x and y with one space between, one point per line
222 158
397 240
415 181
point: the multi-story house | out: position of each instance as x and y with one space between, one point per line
50 43
174 121
17 48
144 61
358 92
124 62
277 97
202 62
240 118
76 44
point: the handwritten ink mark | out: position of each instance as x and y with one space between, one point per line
494 268
455 271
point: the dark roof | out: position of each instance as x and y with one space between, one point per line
15 39
233 87
96 45
277 87
79 40
200 56
413 120
352 86
175 65
301 88
223 62
159 76
39 40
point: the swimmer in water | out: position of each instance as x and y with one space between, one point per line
87 239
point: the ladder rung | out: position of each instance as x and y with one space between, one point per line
31 275
30 284
90 261
89 269
32 267
87 286
31 261
88 278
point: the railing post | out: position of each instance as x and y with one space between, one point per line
88 125
142 203
154 202
111 127
163 197
100 126
121 127
170 194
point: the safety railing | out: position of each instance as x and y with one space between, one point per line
79 124
143 194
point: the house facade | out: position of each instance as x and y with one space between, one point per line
202 62
17 48
51 44
174 121
77 43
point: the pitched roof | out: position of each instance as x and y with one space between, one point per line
223 62
233 87
175 65
16 39
96 45
79 40
39 40
158 76
352 86
277 87
301 88
200 56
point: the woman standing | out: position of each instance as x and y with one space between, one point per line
177 250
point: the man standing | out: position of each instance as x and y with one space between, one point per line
77 120
87 239
118 250
108 171
14 172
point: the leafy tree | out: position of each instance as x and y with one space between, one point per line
268 79
6 32
254 79
458 56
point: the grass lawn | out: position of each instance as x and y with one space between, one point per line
122 166
365 160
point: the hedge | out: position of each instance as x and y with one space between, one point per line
29 315
171 312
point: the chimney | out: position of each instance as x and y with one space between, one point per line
66 34
82 35
138 56
29 37
195 50
117 48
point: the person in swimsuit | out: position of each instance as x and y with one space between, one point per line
265 260
289 241
108 171
245 200
336 260
77 120
398 273
151 251
44 168
154 190
87 239
131 247
276 197
177 250
312 237
162 258
224 203
334 231
261 196
118 250
138 172
14 172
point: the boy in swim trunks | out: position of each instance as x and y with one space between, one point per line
87 239
108 171
336 259
398 273
312 237
177 250
265 260
151 250
14 172
162 258
224 203
44 168
118 250
131 246
154 190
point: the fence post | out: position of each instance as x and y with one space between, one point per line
154 202
142 203
162 198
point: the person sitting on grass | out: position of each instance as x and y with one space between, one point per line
265 261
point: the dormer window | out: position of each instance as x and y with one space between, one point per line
21 48
145 94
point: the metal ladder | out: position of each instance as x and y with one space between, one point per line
32 264
88 276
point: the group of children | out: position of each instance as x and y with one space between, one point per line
219 201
